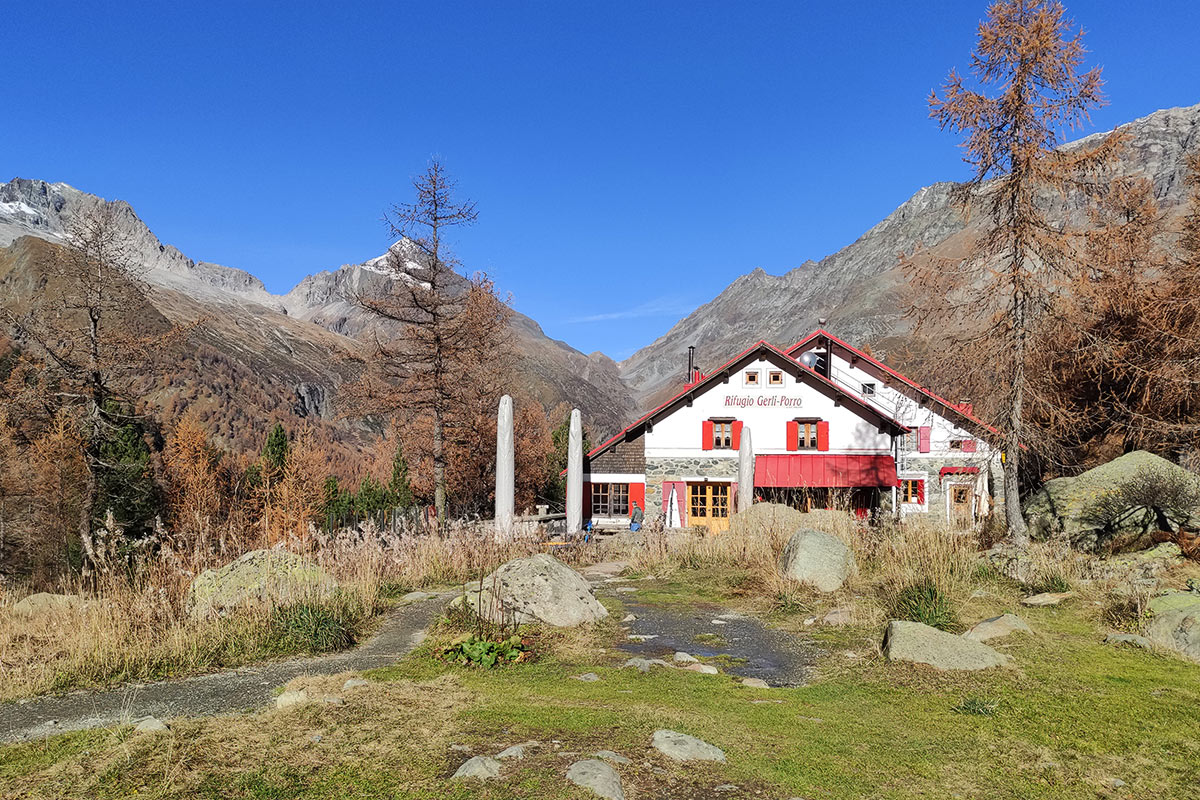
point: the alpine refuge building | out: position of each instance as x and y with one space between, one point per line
830 427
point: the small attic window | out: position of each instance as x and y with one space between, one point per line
868 389
750 377
775 378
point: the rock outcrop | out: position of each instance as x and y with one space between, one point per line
538 588
47 603
918 643
682 747
818 559
1175 623
1116 505
997 627
258 577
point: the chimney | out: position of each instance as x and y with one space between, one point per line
691 363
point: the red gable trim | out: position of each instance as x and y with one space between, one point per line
718 374
962 410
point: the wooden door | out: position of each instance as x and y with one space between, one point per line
708 505
962 504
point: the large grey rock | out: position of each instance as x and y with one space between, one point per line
682 747
996 627
539 588
599 777
1175 623
918 643
479 768
47 603
258 577
292 697
1115 505
817 559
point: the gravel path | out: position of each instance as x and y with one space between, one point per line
751 649
237 690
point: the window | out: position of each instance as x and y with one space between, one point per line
807 429
610 499
708 500
722 434
956 444
868 389
697 501
775 378
960 495
912 490
750 377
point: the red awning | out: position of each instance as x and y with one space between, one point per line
824 471
957 471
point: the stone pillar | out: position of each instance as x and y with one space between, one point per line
505 466
575 474
745 497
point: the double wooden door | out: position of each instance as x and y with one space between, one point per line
708 505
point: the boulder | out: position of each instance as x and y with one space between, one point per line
682 747
1117 505
1131 639
292 697
817 559
703 669
478 767
1175 623
258 577
150 725
755 683
918 643
609 755
538 588
46 602
996 627
597 776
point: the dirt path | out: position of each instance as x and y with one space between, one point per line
237 690
736 643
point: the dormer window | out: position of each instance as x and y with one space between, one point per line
868 389
775 378
750 377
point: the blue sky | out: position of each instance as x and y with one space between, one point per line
629 159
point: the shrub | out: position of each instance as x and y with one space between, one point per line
1049 580
472 650
923 601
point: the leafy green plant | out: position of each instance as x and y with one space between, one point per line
924 602
472 650
316 627
978 706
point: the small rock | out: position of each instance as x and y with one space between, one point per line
333 700
682 747
838 616
461 748
587 677
810 621
516 751
609 755
478 767
996 627
629 618
354 683
292 697
760 702
1116 783
726 787
626 589
150 725
597 776
417 597
719 622
755 683
644 664
1046 599
642 637
684 658
703 669
315 738
1131 639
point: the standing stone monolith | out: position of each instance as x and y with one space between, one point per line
745 496
575 474
505 467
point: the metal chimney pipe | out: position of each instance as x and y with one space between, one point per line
691 362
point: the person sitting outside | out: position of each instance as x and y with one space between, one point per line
635 519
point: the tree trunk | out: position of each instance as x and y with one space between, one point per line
1017 533
439 467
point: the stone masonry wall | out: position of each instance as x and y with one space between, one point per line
659 470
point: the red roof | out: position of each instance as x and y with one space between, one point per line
825 471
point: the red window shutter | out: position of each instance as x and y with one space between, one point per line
666 493
968 446
681 501
706 435
637 494
921 492
823 435
737 434
923 436
793 435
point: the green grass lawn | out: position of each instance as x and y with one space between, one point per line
1073 715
